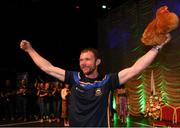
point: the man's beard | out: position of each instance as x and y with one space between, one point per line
90 71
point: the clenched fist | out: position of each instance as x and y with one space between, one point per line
25 45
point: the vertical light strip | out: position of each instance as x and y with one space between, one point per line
142 97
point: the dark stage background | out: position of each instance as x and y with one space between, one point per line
58 30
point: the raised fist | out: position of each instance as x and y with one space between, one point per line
25 45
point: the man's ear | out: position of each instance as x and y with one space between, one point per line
98 61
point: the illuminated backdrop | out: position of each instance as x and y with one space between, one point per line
119 41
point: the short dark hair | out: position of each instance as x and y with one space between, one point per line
93 50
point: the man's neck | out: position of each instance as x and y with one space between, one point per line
93 75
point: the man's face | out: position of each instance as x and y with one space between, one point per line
87 62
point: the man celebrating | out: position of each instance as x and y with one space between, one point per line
88 101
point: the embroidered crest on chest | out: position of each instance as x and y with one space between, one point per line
98 92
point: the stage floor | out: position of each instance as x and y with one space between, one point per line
139 121
132 121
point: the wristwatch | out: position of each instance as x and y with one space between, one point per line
158 48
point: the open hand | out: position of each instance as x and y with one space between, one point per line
166 41
168 38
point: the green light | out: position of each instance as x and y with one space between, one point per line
114 102
128 121
142 98
141 92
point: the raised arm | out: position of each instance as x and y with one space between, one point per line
42 63
141 63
